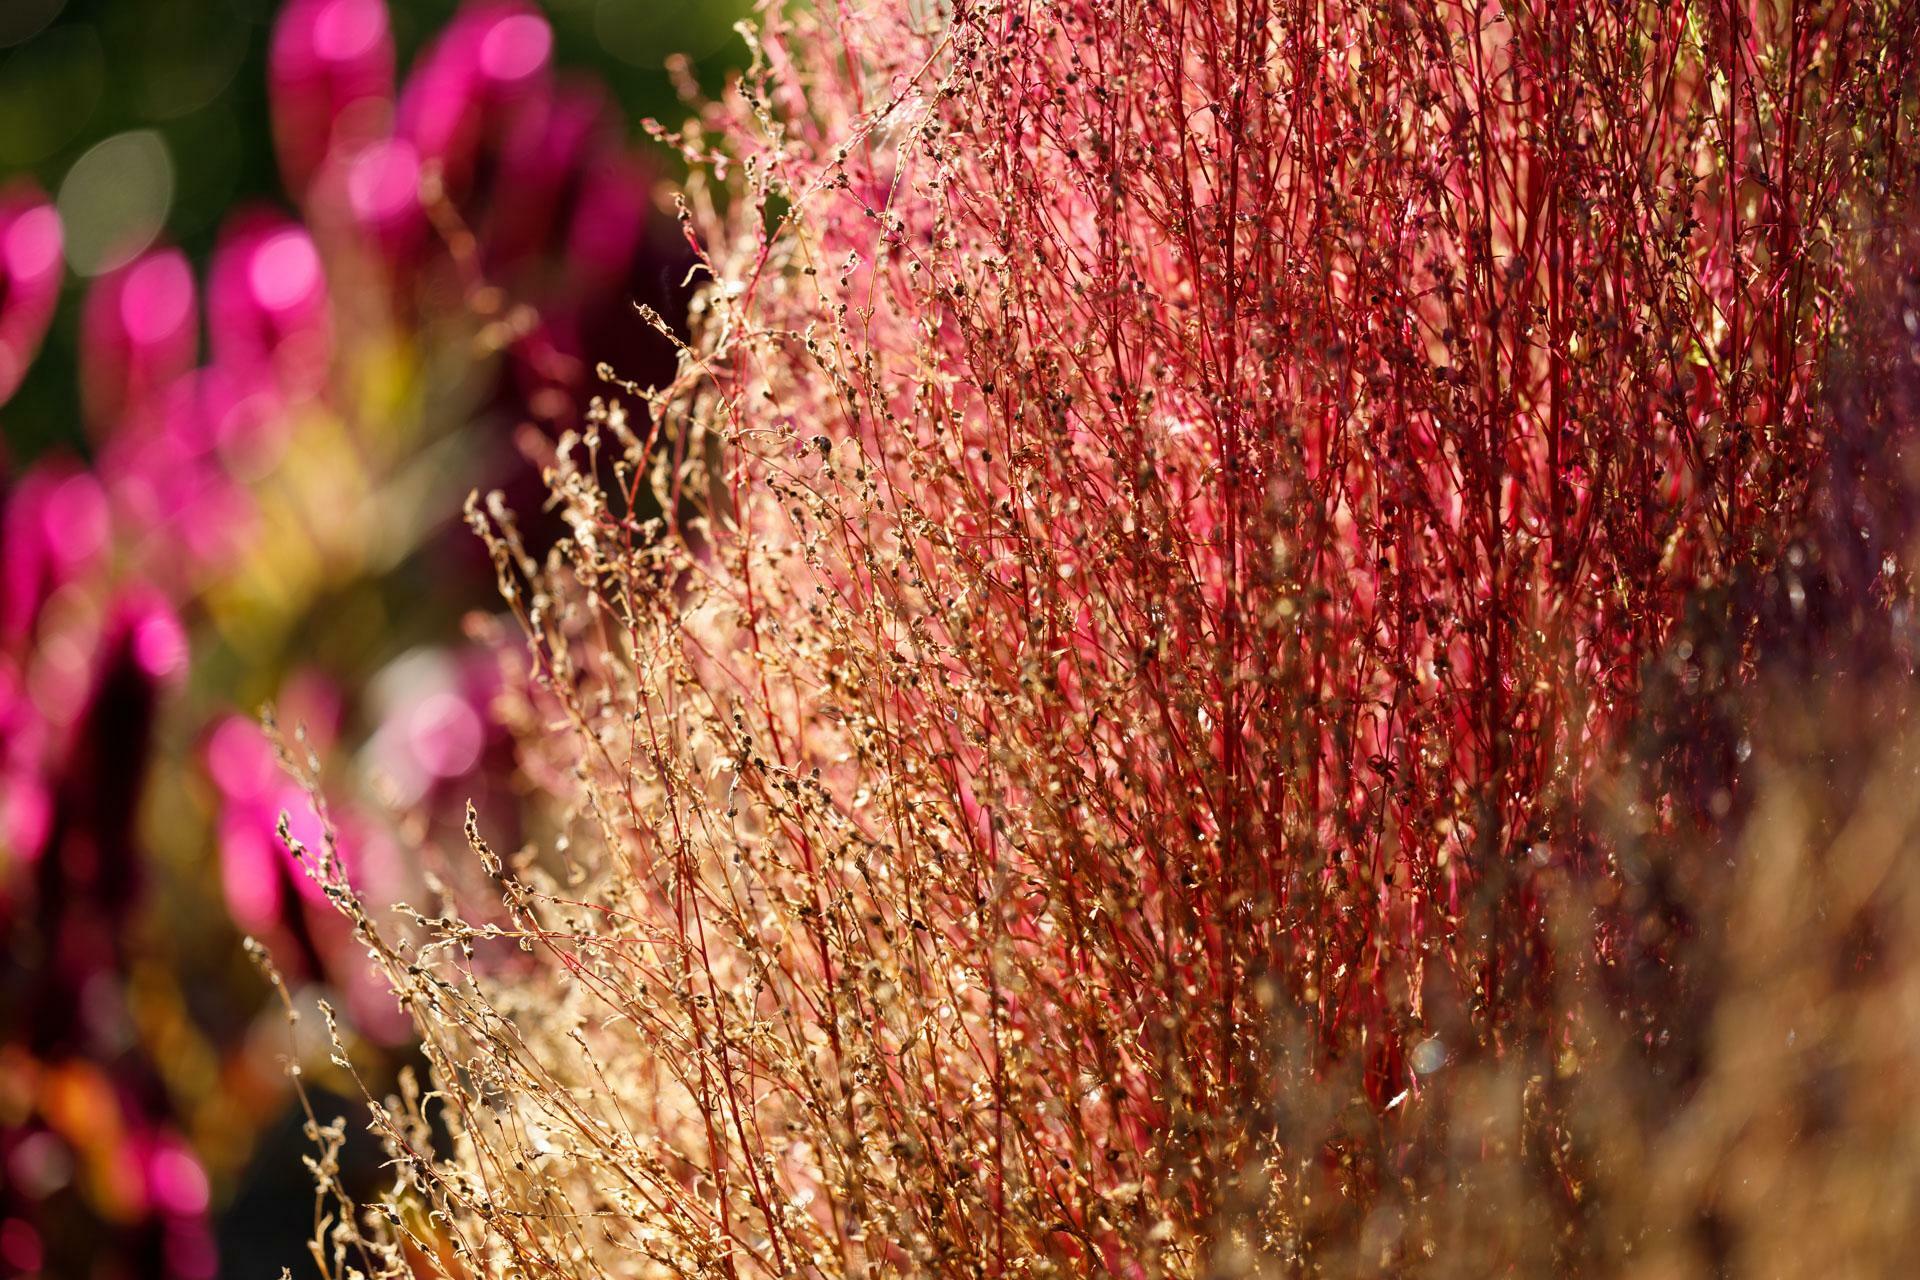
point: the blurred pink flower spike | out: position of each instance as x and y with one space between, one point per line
54 526
175 481
493 60
433 723
267 304
610 222
53 531
239 757
377 190
250 867
616 251
154 638
543 151
30 274
330 78
178 1191
254 790
288 799
138 332
26 798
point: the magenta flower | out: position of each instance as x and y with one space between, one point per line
550 217
177 1192
491 61
26 801
138 332
330 78
53 531
30 268
434 729
554 137
257 874
52 526
375 190
92 688
267 304
259 877
615 251
173 478
558 214
271 895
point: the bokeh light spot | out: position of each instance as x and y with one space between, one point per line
346 29
77 519
40 1165
447 735
179 1185
157 298
20 1246
384 180
159 644
285 270
642 35
33 243
516 47
114 200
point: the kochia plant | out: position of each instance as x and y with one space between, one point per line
1166 511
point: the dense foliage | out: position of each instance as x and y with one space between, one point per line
1173 686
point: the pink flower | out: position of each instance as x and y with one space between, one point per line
267 303
30 270
491 60
434 726
156 641
172 479
53 531
176 1184
375 189
138 332
613 250
255 867
53 537
266 890
26 800
330 73
609 221
544 148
